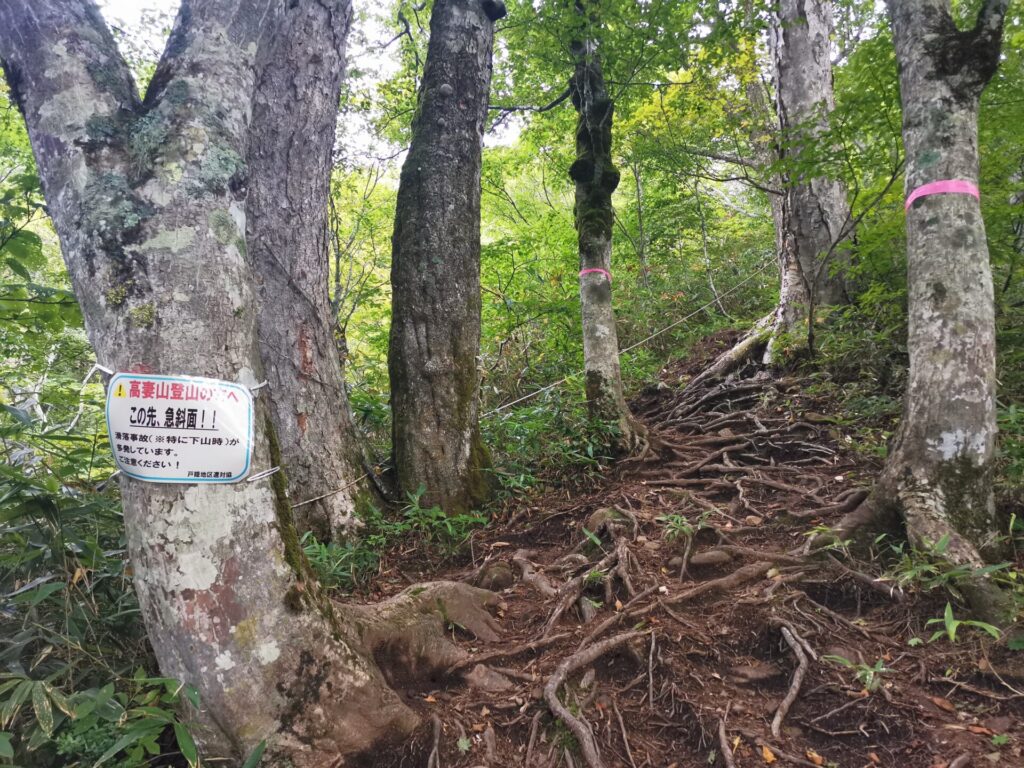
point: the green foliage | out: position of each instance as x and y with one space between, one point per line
550 438
1011 445
346 565
679 526
434 526
951 625
929 569
870 676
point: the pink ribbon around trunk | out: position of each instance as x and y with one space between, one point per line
944 187
604 272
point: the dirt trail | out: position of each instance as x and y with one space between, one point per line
720 645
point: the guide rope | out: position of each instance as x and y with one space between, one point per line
654 335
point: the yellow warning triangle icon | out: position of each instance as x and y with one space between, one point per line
120 391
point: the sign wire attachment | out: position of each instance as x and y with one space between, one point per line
261 475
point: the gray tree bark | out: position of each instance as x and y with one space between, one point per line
290 161
941 469
939 473
815 216
435 269
148 199
596 178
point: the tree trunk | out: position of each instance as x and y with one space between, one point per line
435 269
792 289
148 201
941 468
815 216
596 178
290 161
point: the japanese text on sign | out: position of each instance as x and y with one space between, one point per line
180 429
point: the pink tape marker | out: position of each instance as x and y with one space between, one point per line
604 272
944 187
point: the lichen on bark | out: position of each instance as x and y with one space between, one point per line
596 178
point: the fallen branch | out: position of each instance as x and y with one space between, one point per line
723 744
625 739
533 739
794 687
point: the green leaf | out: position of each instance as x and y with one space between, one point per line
26 247
13 704
36 596
20 414
43 708
136 733
6 750
192 694
58 698
254 758
186 744
18 268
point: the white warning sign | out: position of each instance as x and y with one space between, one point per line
180 429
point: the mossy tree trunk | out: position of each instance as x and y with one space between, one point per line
435 269
815 216
148 199
596 178
940 470
290 160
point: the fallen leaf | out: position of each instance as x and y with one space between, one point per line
753 520
874 758
479 727
430 700
980 729
815 758
484 712
942 703
767 754
618 604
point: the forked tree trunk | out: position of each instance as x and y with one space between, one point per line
816 217
596 178
435 269
940 471
148 201
290 161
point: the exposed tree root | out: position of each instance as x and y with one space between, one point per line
584 735
745 350
739 474
794 687
927 523
530 575
409 633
